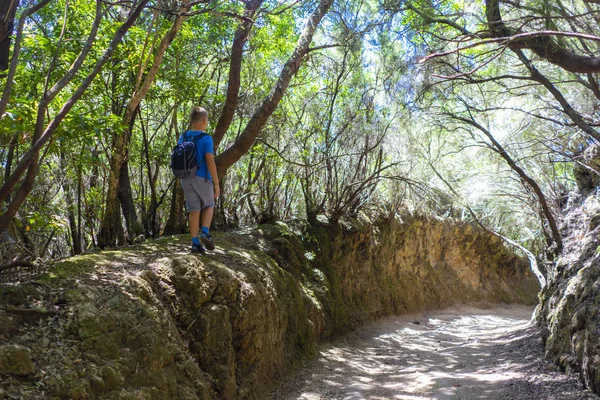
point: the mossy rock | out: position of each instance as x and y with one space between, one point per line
16 360
20 295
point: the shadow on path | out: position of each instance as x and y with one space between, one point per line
460 353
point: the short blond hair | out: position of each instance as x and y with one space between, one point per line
198 114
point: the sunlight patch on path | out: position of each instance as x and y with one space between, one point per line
461 353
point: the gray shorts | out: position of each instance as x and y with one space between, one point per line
199 193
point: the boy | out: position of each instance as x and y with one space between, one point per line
202 189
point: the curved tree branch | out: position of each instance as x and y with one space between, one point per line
235 68
15 264
566 106
532 260
522 174
544 46
15 57
107 235
261 115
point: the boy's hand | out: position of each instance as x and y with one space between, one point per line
217 191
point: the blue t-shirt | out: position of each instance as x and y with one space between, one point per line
203 145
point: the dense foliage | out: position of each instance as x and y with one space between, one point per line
468 110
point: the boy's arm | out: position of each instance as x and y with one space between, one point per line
212 169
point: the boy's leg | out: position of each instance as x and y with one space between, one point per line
194 228
207 198
194 205
194 223
207 214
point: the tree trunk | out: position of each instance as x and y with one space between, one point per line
108 233
76 240
177 222
79 205
8 9
9 159
235 68
111 222
125 195
28 165
251 181
150 215
74 229
90 209
246 139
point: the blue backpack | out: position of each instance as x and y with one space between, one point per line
183 158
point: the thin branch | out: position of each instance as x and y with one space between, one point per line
15 57
327 46
508 40
532 260
16 264
471 72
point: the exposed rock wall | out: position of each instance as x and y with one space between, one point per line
569 311
153 322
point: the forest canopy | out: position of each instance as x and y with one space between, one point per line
481 111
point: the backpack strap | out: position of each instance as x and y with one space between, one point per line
185 136
202 134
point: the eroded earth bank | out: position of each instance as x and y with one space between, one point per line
153 322
569 312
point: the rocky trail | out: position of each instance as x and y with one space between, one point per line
458 353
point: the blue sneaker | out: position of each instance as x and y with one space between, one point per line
197 248
206 239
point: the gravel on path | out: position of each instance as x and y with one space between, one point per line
459 353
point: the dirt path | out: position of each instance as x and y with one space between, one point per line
460 353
